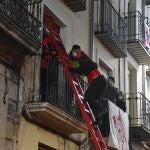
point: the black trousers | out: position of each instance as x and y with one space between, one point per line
99 106
96 89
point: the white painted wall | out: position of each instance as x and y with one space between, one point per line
136 71
132 5
139 5
147 83
102 52
76 25
147 87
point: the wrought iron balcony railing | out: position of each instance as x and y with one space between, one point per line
56 90
14 12
76 5
138 37
147 2
109 22
139 110
136 26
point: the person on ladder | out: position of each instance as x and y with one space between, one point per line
99 88
97 84
83 65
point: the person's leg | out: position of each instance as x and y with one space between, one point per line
101 109
96 89
92 95
104 125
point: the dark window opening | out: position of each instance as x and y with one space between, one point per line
44 147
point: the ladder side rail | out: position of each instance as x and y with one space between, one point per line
89 120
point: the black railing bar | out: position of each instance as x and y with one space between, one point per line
135 118
30 14
134 17
32 3
24 31
135 94
132 34
133 12
145 97
134 98
141 106
116 12
145 127
116 35
138 119
141 118
145 114
27 13
141 18
133 124
121 27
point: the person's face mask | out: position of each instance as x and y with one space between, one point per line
77 53
74 54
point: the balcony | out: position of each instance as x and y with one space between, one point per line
136 38
147 2
139 112
19 23
76 5
55 106
110 28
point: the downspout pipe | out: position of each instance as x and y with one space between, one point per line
124 59
119 60
91 27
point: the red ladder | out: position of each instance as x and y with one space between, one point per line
75 85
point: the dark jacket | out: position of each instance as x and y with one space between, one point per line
82 64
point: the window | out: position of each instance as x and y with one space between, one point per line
147 93
104 69
44 147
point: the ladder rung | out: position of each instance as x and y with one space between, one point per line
87 110
75 83
81 96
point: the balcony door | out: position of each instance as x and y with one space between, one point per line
54 85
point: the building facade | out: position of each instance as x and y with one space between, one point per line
114 33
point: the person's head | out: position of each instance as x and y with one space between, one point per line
111 80
121 95
75 51
76 48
